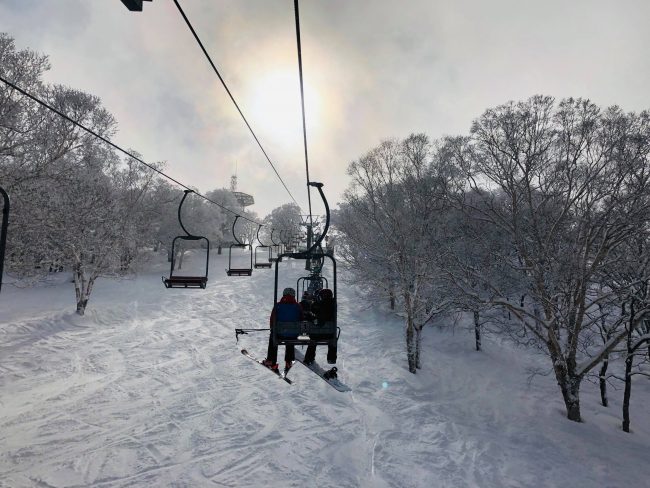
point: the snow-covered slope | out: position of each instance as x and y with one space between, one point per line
149 389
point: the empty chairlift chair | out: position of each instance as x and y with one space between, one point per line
182 281
240 270
276 249
286 241
262 253
312 284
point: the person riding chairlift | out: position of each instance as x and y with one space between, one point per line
323 309
286 310
306 303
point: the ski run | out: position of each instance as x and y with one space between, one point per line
150 389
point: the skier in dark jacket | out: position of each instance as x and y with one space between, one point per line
324 309
286 310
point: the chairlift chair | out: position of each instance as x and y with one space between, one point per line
311 284
178 281
265 260
285 242
305 332
276 249
242 271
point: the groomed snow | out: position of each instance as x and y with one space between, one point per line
149 389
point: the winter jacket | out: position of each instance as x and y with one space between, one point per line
287 310
324 311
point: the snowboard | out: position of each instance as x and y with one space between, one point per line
316 368
280 374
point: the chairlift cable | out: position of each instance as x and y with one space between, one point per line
198 40
124 151
302 100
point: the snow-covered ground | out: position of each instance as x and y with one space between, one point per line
149 389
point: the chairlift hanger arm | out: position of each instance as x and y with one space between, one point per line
319 187
234 236
180 206
258 237
259 227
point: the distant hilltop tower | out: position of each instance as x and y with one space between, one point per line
244 199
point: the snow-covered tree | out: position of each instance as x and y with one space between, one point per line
471 250
248 228
629 280
21 124
226 198
286 220
575 186
389 225
76 206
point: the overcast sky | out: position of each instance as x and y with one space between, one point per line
373 69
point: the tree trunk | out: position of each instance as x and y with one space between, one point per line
571 395
80 289
81 306
410 346
83 287
627 393
411 349
418 342
477 330
603 382
628 372
602 376
392 298
569 385
646 330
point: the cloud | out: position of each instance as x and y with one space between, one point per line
383 69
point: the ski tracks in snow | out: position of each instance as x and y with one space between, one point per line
153 391
150 389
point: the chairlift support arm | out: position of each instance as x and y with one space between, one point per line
234 223
316 245
258 237
180 219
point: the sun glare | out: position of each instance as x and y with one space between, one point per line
274 105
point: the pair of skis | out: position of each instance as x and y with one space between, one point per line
328 376
281 374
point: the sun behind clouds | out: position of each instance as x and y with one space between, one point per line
273 102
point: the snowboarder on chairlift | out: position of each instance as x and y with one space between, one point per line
306 303
286 310
324 309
